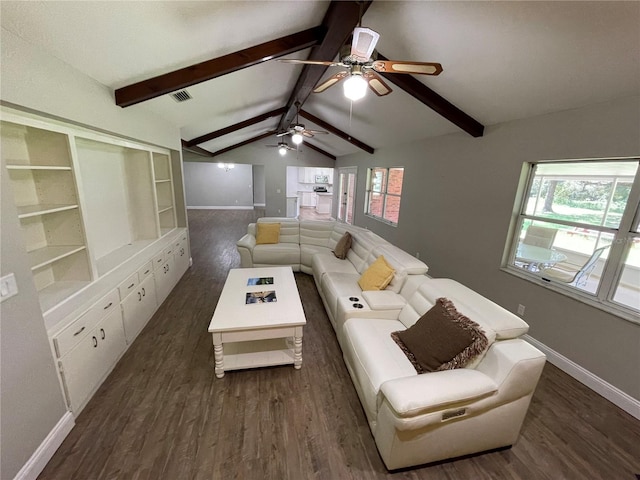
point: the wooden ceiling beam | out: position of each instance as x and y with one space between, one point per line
431 99
242 144
336 131
339 21
319 150
201 72
196 150
238 126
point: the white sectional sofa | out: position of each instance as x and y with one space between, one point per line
414 418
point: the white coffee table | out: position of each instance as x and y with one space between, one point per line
250 335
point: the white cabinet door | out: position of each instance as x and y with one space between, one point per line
181 259
138 308
165 279
84 367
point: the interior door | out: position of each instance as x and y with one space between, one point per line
347 193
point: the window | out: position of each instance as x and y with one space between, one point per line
578 230
384 189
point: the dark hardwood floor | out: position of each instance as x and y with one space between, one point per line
162 414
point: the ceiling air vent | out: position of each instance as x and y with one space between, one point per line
181 96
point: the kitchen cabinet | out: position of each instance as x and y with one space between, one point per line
308 199
308 174
324 203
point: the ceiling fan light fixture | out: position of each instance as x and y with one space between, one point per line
282 150
355 87
296 138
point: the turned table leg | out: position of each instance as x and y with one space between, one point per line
218 356
297 348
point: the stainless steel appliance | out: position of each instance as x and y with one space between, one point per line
322 178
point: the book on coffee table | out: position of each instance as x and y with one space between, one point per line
260 281
261 297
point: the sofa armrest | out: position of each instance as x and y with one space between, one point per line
384 300
415 395
245 248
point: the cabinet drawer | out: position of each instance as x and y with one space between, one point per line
128 286
158 260
169 250
75 332
145 271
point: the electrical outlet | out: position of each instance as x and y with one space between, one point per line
521 310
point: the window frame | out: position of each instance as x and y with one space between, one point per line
623 237
384 192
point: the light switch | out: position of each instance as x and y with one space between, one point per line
8 287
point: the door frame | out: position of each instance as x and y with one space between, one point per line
339 193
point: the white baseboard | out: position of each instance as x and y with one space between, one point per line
47 448
613 394
259 204
213 207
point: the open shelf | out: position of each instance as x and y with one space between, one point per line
165 209
55 293
117 257
42 209
44 256
35 167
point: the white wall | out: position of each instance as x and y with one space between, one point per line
457 203
33 79
207 185
259 187
275 166
32 402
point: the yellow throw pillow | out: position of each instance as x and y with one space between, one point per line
267 233
377 276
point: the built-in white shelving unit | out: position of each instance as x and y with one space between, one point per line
102 237
164 192
39 164
86 202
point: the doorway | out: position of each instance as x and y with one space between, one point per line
347 193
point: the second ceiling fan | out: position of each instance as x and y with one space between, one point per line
298 131
362 65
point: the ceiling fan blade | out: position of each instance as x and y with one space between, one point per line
308 133
376 84
363 44
394 66
282 134
315 132
307 62
330 82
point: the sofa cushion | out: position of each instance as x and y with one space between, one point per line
377 276
489 315
307 252
403 264
442 339
343 246
267 233
373 357
277 254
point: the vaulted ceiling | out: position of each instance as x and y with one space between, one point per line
501 61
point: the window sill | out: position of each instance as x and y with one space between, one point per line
381 220
586 298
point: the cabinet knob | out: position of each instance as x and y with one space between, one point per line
110 303
143 292
102 333
139 296
95 341
79 331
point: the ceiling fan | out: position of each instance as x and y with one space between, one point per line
297 130
362 65
282 147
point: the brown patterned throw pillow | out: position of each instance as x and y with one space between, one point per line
442 339
343 246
